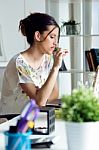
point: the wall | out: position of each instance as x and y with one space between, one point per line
11 12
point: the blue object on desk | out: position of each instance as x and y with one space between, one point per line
18 141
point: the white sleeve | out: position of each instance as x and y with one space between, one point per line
23 73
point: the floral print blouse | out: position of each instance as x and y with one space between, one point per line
38 76
13 99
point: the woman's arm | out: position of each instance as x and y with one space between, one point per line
55 93
45 92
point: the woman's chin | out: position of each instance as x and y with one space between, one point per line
50 53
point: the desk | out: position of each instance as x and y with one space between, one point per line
60 131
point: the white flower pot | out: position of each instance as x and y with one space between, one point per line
82 136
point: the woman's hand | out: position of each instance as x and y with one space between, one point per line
58 56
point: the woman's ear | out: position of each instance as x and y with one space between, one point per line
37 36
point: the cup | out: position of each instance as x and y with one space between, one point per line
17 141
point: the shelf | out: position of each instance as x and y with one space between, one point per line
84 12
67 1
3 64
89 35
77 71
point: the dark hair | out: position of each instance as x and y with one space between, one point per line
36 22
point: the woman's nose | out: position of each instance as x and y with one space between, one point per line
55 41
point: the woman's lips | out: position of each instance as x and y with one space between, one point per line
52 48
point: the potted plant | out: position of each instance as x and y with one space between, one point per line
72 27
80 110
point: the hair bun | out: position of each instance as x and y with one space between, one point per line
22 28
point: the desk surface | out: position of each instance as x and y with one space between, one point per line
60 131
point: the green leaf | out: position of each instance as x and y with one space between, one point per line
80 106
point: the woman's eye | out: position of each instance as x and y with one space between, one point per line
52 37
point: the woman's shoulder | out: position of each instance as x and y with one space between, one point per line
11 66
12 61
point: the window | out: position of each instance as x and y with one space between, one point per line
2 53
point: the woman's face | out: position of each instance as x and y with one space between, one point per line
49 40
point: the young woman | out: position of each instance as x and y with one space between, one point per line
32 74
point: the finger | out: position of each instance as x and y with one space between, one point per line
65 51
59 52
64 54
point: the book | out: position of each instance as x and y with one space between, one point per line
96 82
86 61
44 142
90 60
95 56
